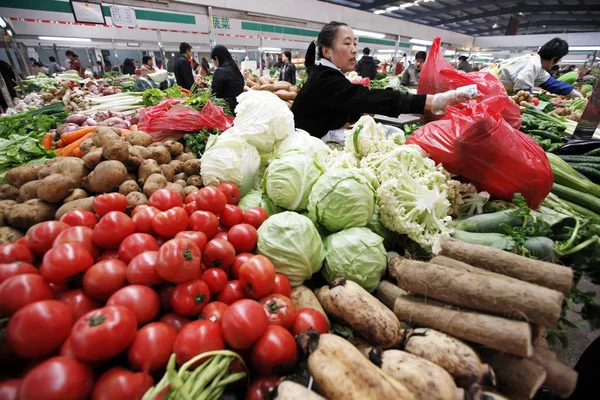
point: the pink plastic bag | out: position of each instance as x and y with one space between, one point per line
366 82
438 75
474 142
171 119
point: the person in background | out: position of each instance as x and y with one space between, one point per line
554 71
54 67
76 64
279 62
366 66
288 70
10 80
572 68
183 68
529 71
128 67
159 63
463 64
138 65
228 81
410 77
70 55
204 67
400 65
147 67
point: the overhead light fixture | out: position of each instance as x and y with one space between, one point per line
269 49
378 12
418 48
385 51
390 9
484 58
450 52
237 51
584 48
482 54
172 54
495 26
9 32
133 45
369 34
520 13
419 41
2 23
64 39
406 5
572 61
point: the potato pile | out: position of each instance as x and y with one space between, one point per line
130 164
523 98
284 90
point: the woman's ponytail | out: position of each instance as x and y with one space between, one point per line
310 57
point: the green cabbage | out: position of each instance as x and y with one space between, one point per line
569 77
258 198
341 198
289 179
301 140
292 243
356 254
229 159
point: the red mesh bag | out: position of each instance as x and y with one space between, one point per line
474 142
438 75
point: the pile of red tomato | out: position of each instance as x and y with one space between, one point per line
97 302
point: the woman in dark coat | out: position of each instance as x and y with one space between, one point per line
288 70
228 81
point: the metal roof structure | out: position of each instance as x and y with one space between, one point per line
489 17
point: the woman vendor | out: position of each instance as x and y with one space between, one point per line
328 101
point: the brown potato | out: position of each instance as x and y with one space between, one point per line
31 212
181 182
93 158
86 146
29 190
76 194
135 199
182 176
175 148
153 183
167 171
9 234
144 152
71 167
103 134
128 187
189 189
54 188
134 159
177 188
86 204
194 180
116 149
8 192
192 167
5 206
138 138
160 154
19 176
130 176
147 168
107 177
186 156
177 166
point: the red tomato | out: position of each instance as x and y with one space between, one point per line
243 323
191 207
104 278
58 378
39 329
142 269
260 388
258 276
275 352
106 203
112 229
59 288
197 237
110 254
16 268
218 253
307 318
151 347
211 199
11 252
64 261
66 350
119 383
164 294
135 244
241 258
214 311
222 229
78 302
178 261
221 235
9 390
282 285
169 223
80 235
80 218
189 298
231 215
143 219
190 198
165 199
243 237
196 338
279 310
43 234
138 209
20 290
231 191
204 221
24 241
142 300
255 216
102 334
536 101
175 320
233 291
216 279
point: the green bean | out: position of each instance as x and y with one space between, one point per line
205 366
207 377
213 385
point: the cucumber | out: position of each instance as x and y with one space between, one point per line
595 152
489 223
583 211
583 199
590 172
581 159
496 240
545 134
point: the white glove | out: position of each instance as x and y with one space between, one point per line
442 100
575 95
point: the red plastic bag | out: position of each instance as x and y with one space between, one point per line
438 75
171 119
474 142
366 82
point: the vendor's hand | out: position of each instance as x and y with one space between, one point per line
575 95
442 100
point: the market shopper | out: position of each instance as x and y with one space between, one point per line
147 67
529 71
183 68
204 67
410 77
288 70
228 81
69 59
463 64
328 101
54 67
128 67
366 66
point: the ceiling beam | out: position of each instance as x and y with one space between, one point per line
485 27
376 4
512 10
465 6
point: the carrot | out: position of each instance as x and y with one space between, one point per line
60 144
70 148
70 137
47 141
133 128
77 152
124 131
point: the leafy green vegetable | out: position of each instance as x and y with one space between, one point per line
258 198
198 101
197 141
410 128
174 92
569 77
152 97
532 225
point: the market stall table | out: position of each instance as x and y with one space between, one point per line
401 120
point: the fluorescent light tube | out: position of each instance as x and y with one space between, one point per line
358 32
390 9
419 48
419 41
385 51
269 49
406 5
584 48
449 52
378 12
64 39
237 51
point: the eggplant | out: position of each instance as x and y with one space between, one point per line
579 146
